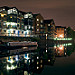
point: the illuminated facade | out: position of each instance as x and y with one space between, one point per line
38 24
14 22
50 28
61 32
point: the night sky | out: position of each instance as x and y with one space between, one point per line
62 11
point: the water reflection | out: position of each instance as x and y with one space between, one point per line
33 62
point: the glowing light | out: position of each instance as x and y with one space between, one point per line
48 60
2 15
37 63
8 68
37 67
65 53
37 57
61 36
11 68
61 47
46 51
16 57
41 66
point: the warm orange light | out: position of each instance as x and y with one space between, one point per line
61 36
61 48
2 15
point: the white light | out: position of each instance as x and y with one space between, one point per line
46 34
8 68
37 63
37 57
16 57
46 51
11 61
48 60
65 53
37 67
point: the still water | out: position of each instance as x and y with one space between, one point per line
58 59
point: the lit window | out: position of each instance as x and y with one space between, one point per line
41 25
25 27
29 27
2 15
3 9
32 27
48 24
37 19
37 29
65 29
37 24
11 17
41 21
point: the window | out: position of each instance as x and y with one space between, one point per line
4 30
41 25
29 27
41 21
37 29
32 27
48 24
37 24
22 32
25 27
37 19
14 31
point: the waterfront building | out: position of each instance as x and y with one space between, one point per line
50 28
14 22
38 24
61 32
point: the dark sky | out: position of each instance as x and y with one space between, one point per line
62 11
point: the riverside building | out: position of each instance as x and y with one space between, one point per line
15 23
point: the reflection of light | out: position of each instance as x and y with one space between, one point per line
11 61
61 47
41 61
61 36
16 57
8 67
41 66
25 73
37 57
65 53
11 68
48 60
37 67
46 51
2 15
27 58
37 63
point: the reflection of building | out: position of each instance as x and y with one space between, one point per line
61 32
14 22
38 24
60 51
50 28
